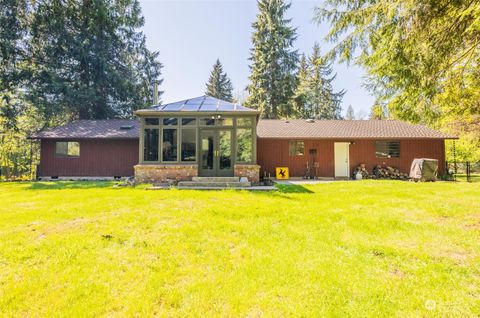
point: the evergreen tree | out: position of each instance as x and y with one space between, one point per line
350 113
14 15
273 61
421 58
315 89
300 97
219 85
93 61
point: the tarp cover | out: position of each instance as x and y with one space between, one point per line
424 169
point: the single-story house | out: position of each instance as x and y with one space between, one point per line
205 136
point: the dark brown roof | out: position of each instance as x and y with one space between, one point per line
267 128
351 129
87 129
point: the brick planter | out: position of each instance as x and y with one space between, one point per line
157 173
252 172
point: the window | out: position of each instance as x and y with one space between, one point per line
387 149
189 142
170 121
207 121
150 145
245 121
169 145
296 148
225 121
189 121
151 121
67 149
244 145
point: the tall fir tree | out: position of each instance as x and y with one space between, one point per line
350 115
92 60
273 61
300 97
14 17
219 85
316 89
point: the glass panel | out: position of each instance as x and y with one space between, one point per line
189 144
169 145
170 121
73 149
61 148
225 149
189 121
244 145
245 121
296 148
151 121
150 145
209 105
207 121
226 106
387 149
206 144
173 107
225 121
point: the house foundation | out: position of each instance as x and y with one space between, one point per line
159 173
251 172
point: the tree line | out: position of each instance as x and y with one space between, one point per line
87 59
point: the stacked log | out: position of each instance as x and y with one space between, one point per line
362 169
387 172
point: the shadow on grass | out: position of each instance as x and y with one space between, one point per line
292 188
61 185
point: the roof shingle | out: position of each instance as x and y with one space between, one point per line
267 128
83 129
352 129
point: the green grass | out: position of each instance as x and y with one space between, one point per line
343 249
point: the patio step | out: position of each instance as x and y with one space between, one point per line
217 184
215 179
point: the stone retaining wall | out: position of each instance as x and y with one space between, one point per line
158 173
252 172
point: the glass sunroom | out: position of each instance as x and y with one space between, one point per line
212 134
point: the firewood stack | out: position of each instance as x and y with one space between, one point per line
387 172
362 169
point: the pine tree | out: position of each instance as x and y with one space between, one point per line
350 113
273 61
315 89
93 61
219 85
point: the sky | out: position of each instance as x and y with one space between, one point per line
191 34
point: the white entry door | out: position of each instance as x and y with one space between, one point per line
342 162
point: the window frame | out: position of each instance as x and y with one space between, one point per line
158 145
250 126
388 149
196 126
290 142
195 129
66 155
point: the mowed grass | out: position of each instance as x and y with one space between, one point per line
342 249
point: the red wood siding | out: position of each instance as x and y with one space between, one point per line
273 153
98 158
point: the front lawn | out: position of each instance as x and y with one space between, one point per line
369 248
